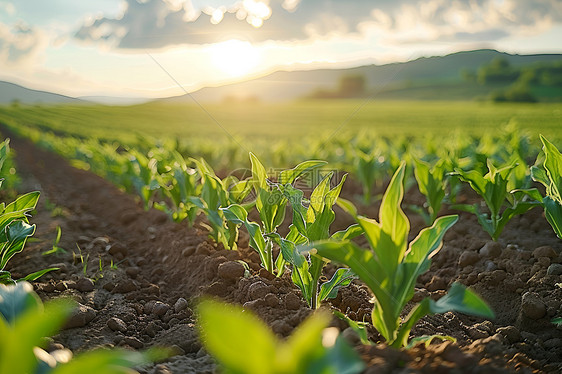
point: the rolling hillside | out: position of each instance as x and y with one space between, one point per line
10 92
420 78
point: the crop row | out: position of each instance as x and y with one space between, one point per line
496 169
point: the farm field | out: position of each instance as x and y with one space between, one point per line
138 276
264 124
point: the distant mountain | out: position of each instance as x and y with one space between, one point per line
396 80
114 100
10 92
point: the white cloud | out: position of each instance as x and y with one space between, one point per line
161 23
21 44
7 7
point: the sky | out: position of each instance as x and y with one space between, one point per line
159 48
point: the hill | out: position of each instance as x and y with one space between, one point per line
10 92
421 78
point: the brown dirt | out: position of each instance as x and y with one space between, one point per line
161 268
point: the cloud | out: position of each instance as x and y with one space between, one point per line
8 8
162 23
21 44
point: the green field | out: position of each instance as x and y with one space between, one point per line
286 120
234 129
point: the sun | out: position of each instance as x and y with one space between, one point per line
235 57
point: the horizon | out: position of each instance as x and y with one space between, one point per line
159 48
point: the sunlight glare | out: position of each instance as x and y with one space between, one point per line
235 57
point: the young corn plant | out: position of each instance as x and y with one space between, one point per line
432 184
493 188
7 164
390 266
243 344
179 184
216 194
25 322
550 175
143 173
270 203
213 196
311 222
14 231
370 168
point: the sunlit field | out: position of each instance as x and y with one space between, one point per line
257 122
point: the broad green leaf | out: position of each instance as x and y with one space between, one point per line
343 359
429 240
235 213
428 339
347 206
540 175
259 175
295 197
341 278
240 190
424 246
533 193
553 166
333 195
370 271
553 212
351 232
6 277
430 184
16 235
303 346
16 299
509 213
29 330
317 198
461 299
115 361
36 275
238 340
23 203
289 176
388 238
271 207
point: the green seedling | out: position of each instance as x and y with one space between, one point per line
243 344
214 196
14 231
428 339
56 211
7 165
390 267
493 188
83 260
25 323
56 248
179 185
311 222
144 177
370 169
271 203
431 183
4 152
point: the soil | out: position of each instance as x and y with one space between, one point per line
137 277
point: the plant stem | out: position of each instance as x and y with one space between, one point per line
269 255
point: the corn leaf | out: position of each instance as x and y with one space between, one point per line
239 341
